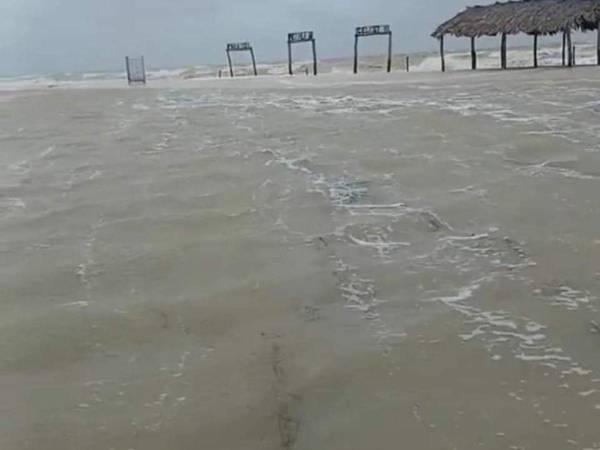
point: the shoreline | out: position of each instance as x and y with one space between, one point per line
326 80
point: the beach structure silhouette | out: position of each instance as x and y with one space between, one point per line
240 47
373 30
298 38
136 70
533 17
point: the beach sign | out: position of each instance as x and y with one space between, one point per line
240 47
299 38
373 30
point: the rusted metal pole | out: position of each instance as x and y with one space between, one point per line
389 61
473 54
442 56
290 69
535 50
253 61
230 64
503 62
356 54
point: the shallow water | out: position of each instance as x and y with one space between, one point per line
331 263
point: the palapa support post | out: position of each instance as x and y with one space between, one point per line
297 38
240 47
598 45
442 56
373 30
564 54
503 61
473 54
574 56
535 50
570 48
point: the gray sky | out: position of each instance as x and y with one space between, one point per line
77 35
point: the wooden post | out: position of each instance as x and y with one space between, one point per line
473 54
143 70
408 63
442 53
389 61
314 49
356 54
290 68
253 61
598 45
574 56
564 49
569 48
230 64
535 62
503 62
128 72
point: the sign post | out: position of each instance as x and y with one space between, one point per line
373 30
240 47
297 38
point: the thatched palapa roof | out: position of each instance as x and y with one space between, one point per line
525 16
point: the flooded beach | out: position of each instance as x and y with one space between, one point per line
338 263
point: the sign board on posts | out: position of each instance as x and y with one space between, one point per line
298 38
373 30
239 47
303 36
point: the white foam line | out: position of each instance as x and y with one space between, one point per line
524 357
465 238
378 244
389 206
80 304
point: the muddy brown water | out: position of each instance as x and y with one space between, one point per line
334 263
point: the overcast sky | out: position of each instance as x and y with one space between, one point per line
78 35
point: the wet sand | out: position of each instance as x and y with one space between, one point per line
370 262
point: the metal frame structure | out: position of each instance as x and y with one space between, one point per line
133 75
240 47
298 38
373 30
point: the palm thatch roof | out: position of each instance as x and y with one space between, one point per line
525 16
